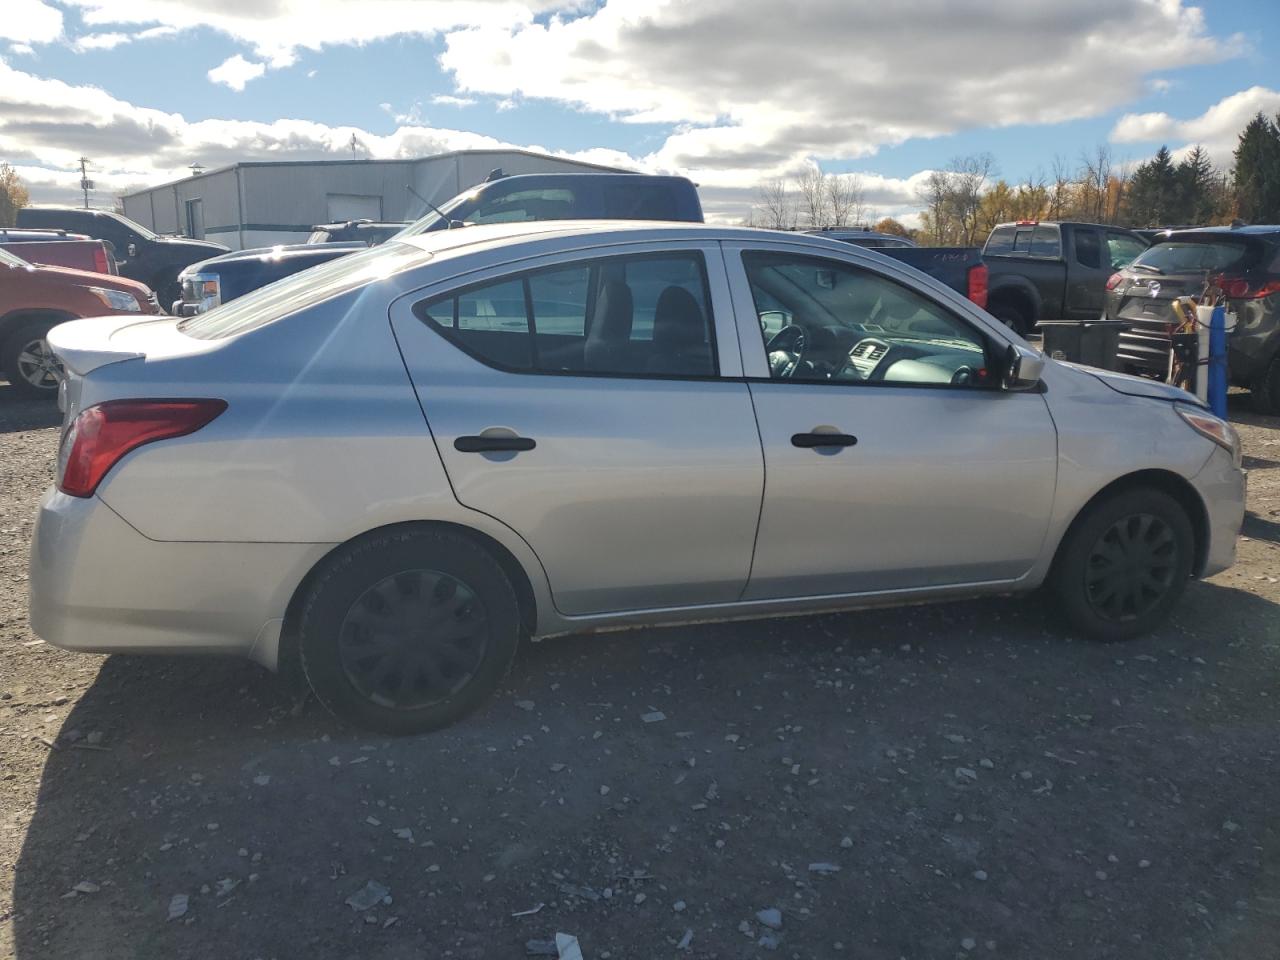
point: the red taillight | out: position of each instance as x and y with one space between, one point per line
978 285
1113 281
100 259
101 435
1239 288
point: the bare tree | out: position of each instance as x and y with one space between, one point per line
815 211
846 200
775 207
933 195
1060 196
968 181
1095 173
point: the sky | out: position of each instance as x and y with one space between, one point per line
732 93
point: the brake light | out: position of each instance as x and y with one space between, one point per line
100 259
102 434
1113 281
1028 223
978 285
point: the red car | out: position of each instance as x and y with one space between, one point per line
34 298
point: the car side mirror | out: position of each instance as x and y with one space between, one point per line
133 249
1022 369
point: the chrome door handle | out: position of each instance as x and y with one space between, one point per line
809 440
483 444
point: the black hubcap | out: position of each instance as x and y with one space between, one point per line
413 639
1131 567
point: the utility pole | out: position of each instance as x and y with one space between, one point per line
85 183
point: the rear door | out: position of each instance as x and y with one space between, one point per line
584 401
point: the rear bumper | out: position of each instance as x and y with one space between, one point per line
99 586
1222 487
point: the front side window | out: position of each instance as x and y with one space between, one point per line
828 321
645 315
1123 249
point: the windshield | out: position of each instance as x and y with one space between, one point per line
1195 256
11 259
134 226
302 290
319 236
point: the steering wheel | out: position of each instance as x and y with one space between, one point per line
963 376
785 349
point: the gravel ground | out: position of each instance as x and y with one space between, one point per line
951 781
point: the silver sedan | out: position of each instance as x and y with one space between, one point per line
393 467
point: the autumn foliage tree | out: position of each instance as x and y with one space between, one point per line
13 195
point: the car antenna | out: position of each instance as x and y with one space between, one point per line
449 223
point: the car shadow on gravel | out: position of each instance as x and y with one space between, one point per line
19 413
973 773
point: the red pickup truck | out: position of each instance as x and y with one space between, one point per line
34 298
58 248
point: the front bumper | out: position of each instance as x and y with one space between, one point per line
1222 487
99 586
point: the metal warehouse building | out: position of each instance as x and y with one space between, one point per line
258 204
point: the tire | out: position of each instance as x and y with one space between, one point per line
1011 316
27 363
408 631
167 289
1143 524
1264 395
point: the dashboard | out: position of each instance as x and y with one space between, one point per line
874 354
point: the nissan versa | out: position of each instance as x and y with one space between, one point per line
395 466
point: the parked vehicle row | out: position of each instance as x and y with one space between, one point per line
57 248
395 466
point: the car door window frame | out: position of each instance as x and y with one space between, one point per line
755 358
725 350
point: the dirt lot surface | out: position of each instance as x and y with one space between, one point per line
952 781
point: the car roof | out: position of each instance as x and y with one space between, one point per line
565 234
1254 230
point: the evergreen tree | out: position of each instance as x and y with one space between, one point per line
1153 196
1257 177
1197 189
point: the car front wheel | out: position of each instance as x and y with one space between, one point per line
28 362
408 630
1124 564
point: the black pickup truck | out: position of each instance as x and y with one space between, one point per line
960 268
1053 271
500 199
140 254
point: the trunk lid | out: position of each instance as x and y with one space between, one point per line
1145 303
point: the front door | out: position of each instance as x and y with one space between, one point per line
585 403
1088 268
893 461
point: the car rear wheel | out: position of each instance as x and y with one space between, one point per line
1011 316
1264 395
29 364
1124 564
408 631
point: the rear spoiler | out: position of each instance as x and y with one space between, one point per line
84 345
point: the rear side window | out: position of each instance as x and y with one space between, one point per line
640 316
1199 256
639 201
1088 249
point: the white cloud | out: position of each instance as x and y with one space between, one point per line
30 21
236 71
102 41
757 88
1217 129
276 30
21 49
448 100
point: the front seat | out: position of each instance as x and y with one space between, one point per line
679 335
608 348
